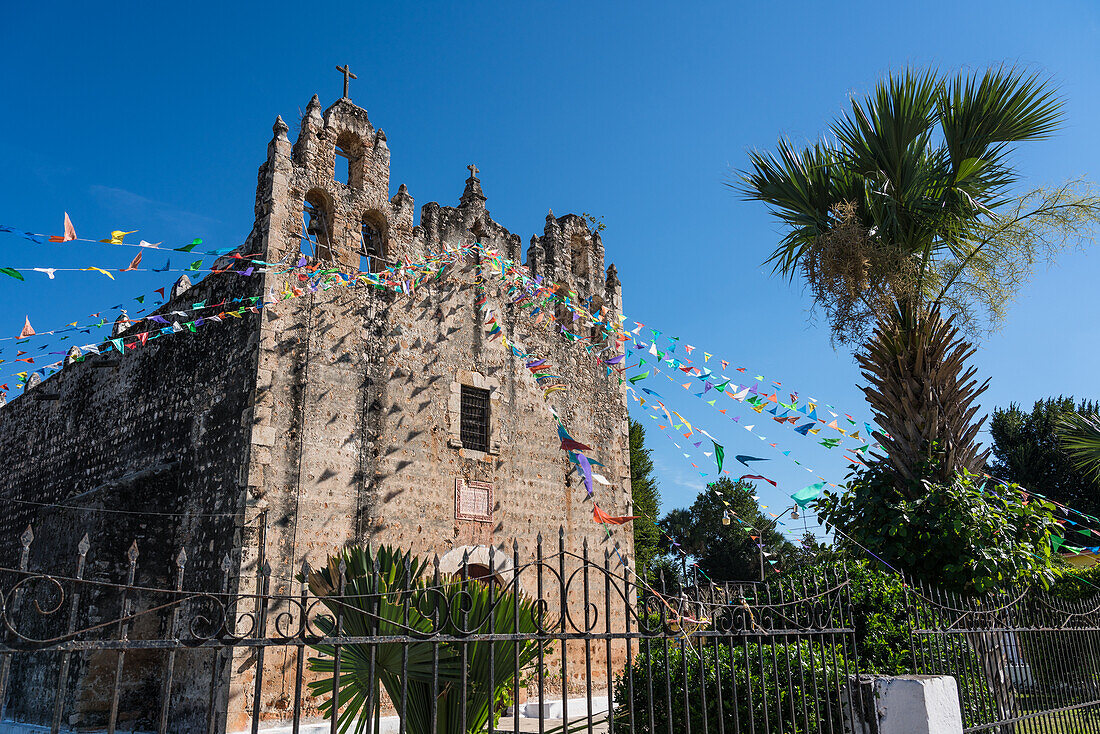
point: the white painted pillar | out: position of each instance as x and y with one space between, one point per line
905 704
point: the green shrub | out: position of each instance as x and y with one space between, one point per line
695 678
1076 584
878 614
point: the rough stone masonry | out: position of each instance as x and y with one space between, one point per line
327 420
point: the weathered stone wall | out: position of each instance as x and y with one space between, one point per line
148 445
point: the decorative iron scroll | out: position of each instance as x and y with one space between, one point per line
572 594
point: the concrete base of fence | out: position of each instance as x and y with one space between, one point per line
904 704
578 709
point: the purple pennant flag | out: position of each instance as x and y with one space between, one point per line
586 468
158 319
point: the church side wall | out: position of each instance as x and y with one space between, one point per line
162 429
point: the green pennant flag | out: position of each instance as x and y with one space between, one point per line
140 299
808 494
12 272
719 454
636 378
187 248
1056 542
195 265
118 344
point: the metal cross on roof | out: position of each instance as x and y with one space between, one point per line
347 75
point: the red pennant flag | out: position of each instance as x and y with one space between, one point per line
143 336
568 444
160 291
757 476
600 516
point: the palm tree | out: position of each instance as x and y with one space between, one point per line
905 228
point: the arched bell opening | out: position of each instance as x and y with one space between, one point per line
373 243
316 238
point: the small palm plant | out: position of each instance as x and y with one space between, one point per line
386 595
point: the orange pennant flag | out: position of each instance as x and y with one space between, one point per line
28 330
600 516
133 263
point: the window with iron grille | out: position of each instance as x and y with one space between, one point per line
474 412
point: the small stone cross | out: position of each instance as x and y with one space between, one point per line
473 170
347 74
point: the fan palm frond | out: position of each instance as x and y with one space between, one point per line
1080 435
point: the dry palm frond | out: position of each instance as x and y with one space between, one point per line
922 393
854 277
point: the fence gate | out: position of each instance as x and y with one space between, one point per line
1024 660
550 641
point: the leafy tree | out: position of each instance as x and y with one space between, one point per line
1029 450
906 227
647 499
726 552
968 535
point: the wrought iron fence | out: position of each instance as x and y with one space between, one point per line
553 642
1024 660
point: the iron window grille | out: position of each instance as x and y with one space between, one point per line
474 418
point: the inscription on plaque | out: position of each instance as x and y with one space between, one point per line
473 501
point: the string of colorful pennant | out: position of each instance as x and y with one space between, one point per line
540 294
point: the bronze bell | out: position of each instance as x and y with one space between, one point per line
317 226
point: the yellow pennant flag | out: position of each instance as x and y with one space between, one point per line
116 237
100 270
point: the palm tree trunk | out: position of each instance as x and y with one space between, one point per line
922 393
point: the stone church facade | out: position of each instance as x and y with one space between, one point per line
330 419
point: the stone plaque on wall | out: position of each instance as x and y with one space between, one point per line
473 501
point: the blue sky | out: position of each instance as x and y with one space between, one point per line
155 117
